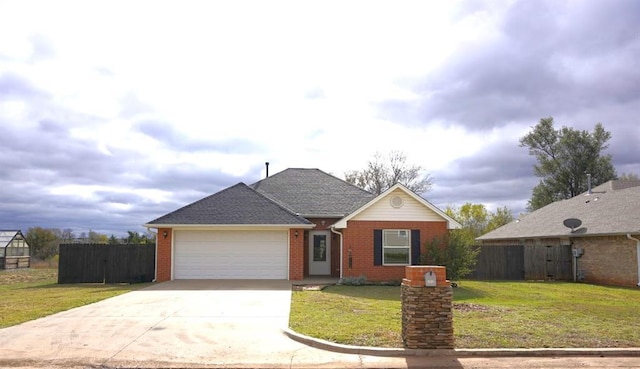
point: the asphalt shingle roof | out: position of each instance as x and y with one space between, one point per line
238 204
313 193
612 208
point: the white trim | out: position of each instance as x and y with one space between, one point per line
451 223
397 247
333 230
328 251
155 272
173 253
223 227
289 255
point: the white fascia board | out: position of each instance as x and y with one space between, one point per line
230 226
451 223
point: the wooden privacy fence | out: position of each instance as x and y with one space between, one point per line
98 263
523 262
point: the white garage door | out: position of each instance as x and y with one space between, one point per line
230 255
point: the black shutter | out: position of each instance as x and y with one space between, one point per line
377 247
415 246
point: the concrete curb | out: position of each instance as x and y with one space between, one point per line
402 352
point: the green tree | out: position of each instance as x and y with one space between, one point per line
381 174
95 237
473 218
43 242
457 251
498 218
452 251
134 237
565 157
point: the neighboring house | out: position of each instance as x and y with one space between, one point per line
605 244
295 224
14 250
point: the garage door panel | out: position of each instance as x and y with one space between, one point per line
230 236
231 255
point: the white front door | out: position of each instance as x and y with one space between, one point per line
319 253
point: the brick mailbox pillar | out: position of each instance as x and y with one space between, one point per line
427 319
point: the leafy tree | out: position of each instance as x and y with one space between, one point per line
137 238
43 242
457 251
113 240
497 219
381 174
95 237
452 251
472 217
565 156
476 220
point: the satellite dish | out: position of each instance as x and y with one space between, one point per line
572 223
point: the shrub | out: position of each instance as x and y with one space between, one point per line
354 281
453 252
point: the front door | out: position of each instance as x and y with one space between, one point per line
319 253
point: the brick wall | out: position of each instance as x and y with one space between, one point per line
358 237
163 255
296 254
608 260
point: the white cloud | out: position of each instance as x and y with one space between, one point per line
225 86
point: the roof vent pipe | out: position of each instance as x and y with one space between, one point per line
266 164
589 183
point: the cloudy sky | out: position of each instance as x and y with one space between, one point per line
113 113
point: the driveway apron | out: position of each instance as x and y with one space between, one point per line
197 322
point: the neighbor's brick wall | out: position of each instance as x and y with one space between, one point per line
296 254
608 260
358 237
163 255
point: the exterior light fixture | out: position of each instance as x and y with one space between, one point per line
165 234
295 234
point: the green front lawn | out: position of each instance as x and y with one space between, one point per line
486 315
27 294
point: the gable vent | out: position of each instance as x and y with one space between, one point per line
397 202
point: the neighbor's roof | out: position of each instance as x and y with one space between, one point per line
612 208
8 236
313 193
236 205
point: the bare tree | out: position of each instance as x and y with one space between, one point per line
629 176
381 174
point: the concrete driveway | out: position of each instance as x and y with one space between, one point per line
177 323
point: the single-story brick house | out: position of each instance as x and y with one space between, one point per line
295 224
605 245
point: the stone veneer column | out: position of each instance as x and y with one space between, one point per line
427 319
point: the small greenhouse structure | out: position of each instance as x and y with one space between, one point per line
14 250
